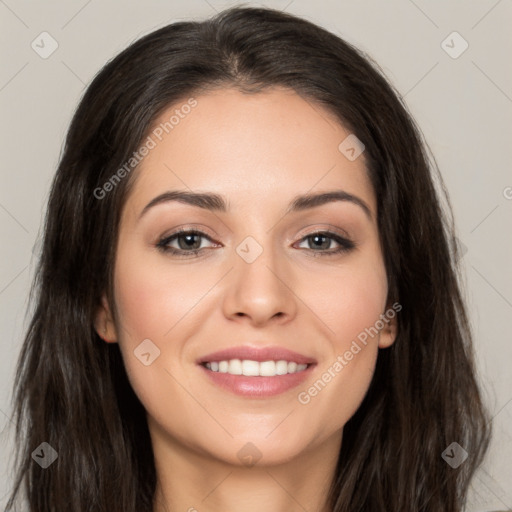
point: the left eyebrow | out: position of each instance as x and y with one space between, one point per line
306 201
216 202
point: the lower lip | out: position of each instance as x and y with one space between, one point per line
258 386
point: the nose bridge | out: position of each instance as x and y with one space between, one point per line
259 287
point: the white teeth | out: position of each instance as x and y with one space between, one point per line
251 368
235 367
281 367
268 368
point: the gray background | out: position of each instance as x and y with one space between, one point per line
463 106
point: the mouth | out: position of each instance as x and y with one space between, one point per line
257 373
251 368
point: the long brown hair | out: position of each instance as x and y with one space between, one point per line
71 389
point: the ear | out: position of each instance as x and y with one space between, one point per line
104 323
388 333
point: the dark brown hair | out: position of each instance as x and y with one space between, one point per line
71 388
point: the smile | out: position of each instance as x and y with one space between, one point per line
251 368
254 371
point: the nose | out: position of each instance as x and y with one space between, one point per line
261 291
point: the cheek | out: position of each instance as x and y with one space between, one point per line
350 300
150 298
155 302
351 310
350 303
150 302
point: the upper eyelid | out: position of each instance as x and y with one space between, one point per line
330 229
324 226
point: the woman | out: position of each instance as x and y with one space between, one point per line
248 295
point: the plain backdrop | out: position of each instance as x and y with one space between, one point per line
461 98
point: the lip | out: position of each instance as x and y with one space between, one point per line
257 354
257 386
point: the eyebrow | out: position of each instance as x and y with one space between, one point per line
216 202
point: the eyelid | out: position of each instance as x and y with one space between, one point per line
344 241
309 230
164 240
203 231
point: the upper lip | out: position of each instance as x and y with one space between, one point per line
269 353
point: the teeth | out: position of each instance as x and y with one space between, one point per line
281 367
235 367
267 368
251 368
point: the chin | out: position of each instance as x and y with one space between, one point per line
265 448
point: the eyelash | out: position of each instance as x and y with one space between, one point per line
345 244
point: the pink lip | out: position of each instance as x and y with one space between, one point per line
257 354
257 387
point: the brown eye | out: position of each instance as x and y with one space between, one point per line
189 243
323 240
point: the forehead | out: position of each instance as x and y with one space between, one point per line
269 146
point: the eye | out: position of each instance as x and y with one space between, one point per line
323 240
189 243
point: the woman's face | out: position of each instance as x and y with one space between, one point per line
261 284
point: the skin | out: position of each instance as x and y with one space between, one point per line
259 151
